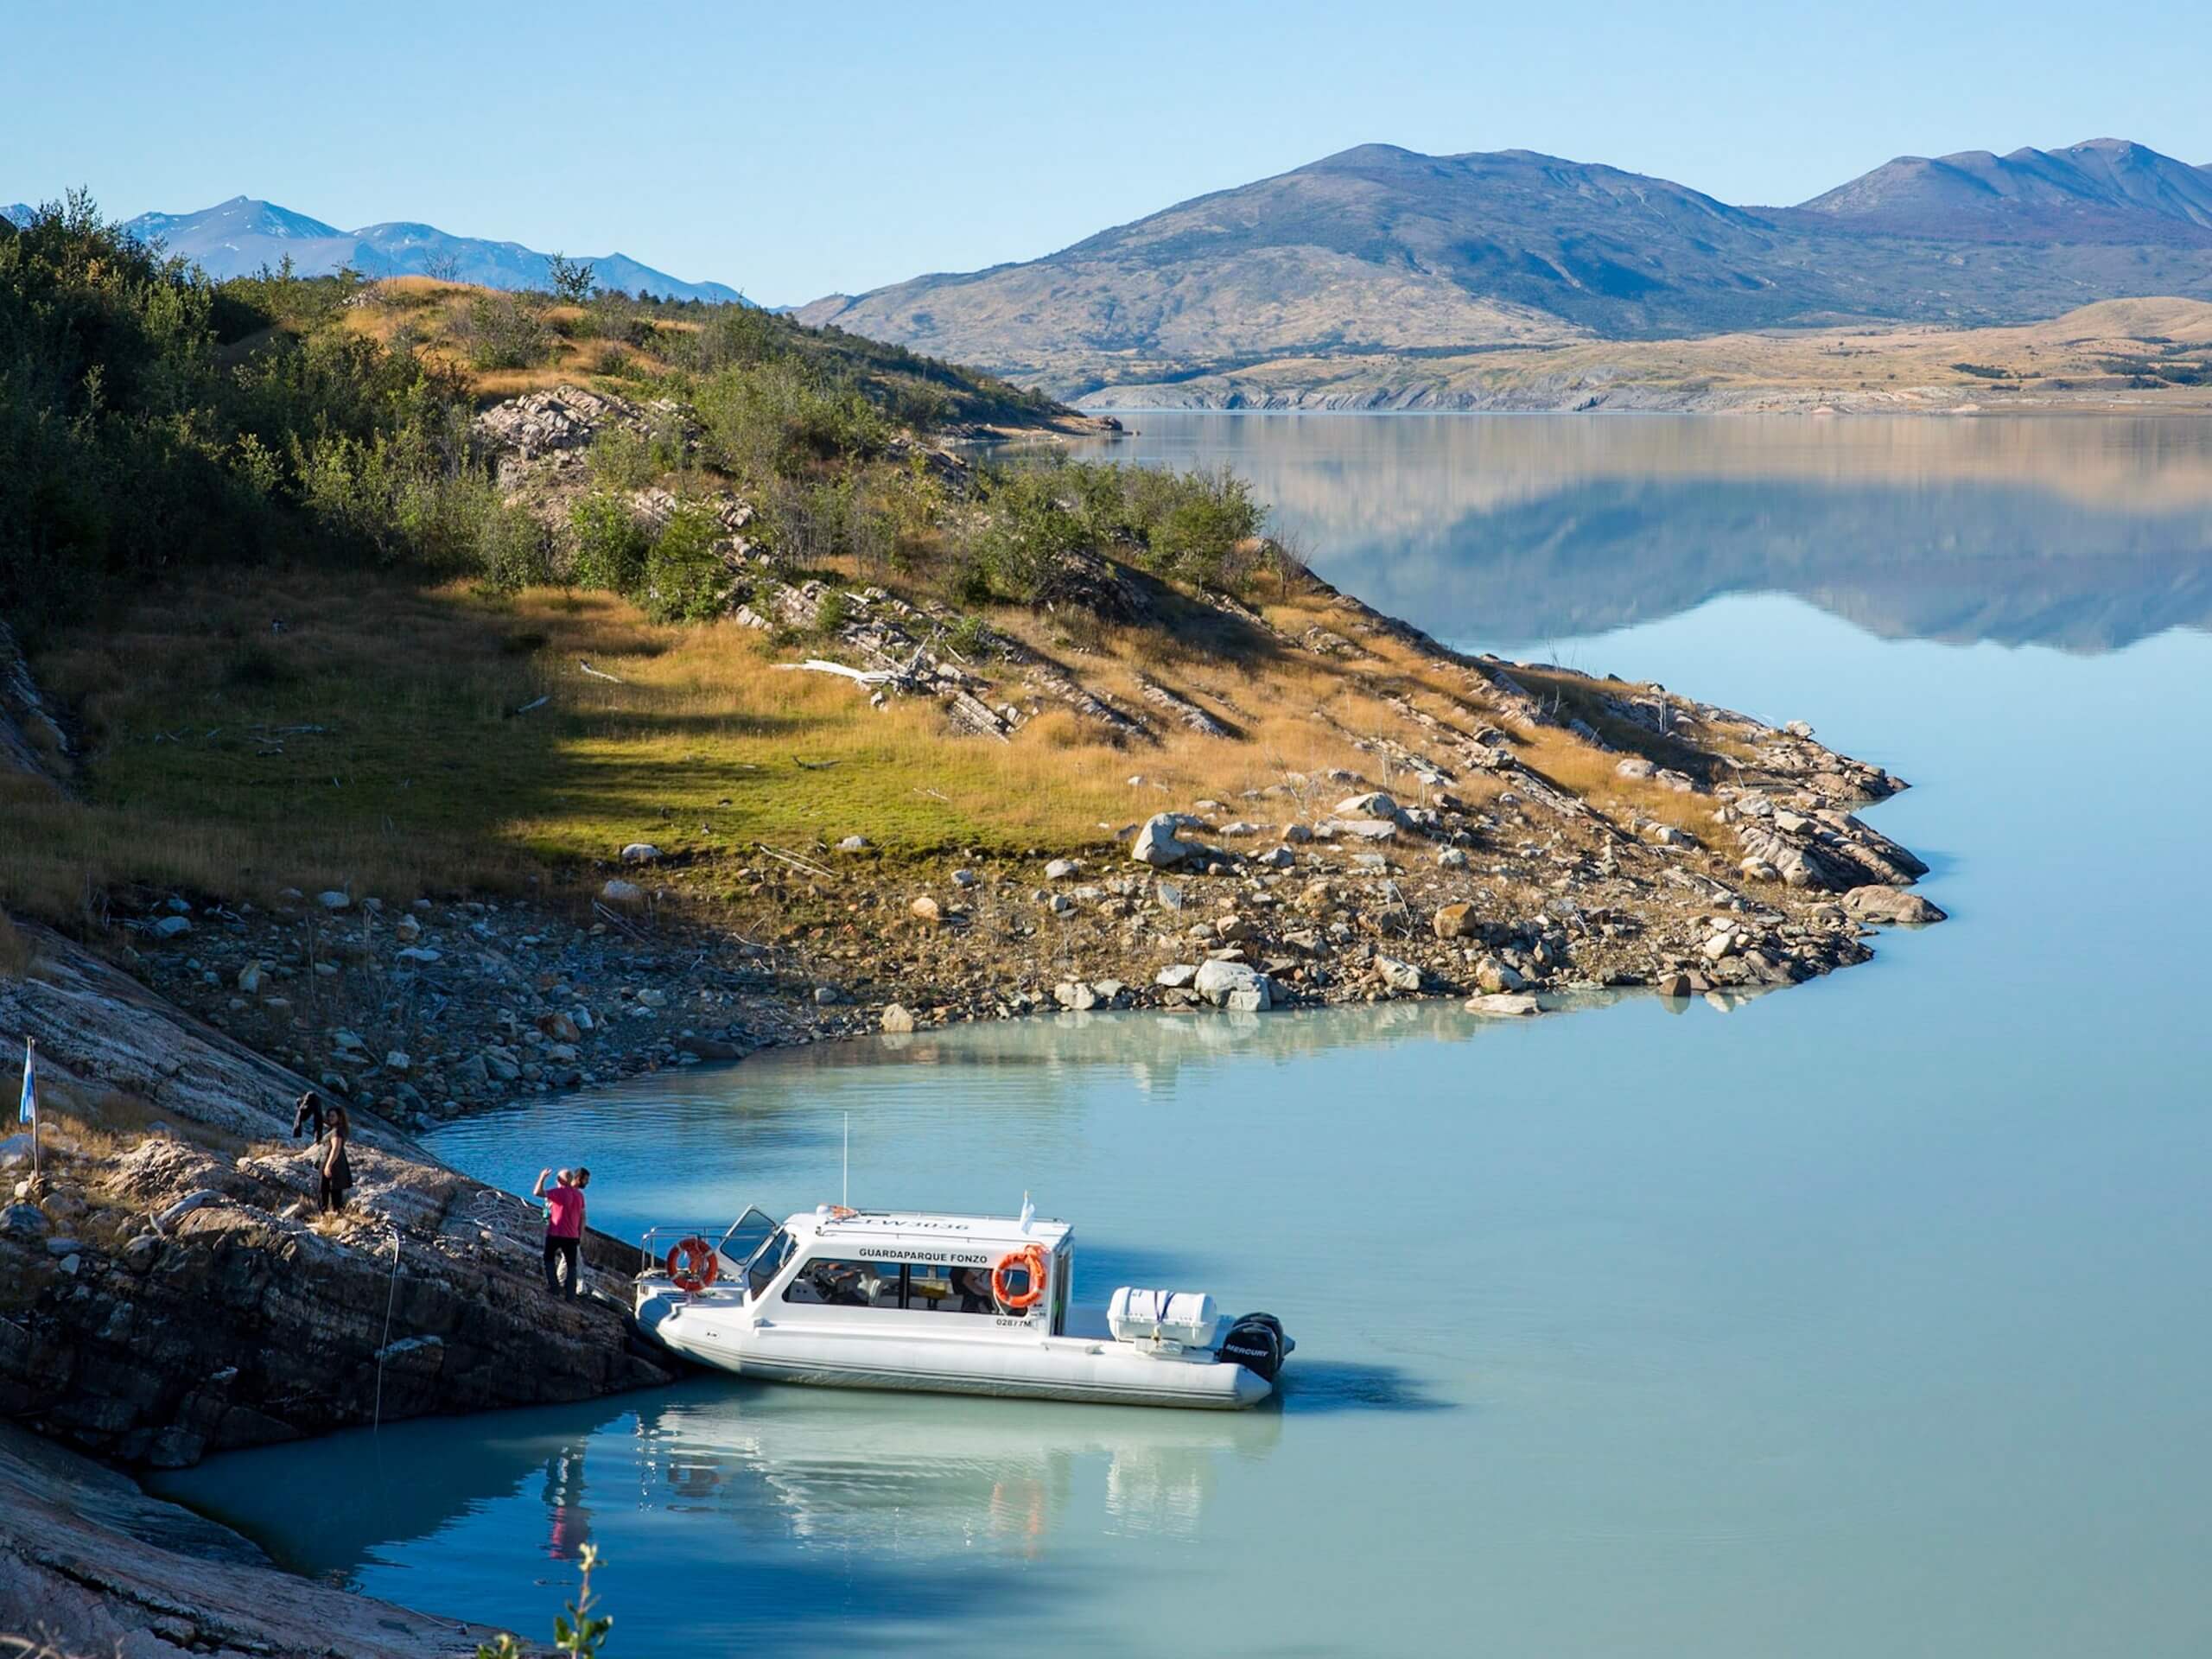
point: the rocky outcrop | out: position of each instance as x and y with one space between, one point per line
175 1303
99 1030
1822 848
564 421
90 1561
168 1292
32 742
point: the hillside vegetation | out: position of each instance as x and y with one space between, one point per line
315 623
152 420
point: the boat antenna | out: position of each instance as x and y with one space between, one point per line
845 1186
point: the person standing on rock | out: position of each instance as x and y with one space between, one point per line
564 1227
337 1172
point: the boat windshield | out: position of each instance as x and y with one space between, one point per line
768 1260
747 1234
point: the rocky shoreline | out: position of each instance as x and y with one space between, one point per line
169 1293
428 1010
1575 395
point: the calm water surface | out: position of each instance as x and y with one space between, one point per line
1865 1319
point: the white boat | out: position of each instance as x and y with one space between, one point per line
942 1304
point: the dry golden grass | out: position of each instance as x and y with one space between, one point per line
383 741
436 311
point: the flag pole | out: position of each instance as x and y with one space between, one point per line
30 1097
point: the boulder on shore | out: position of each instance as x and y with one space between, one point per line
1890 905
1495 976
1234 985
1505 1005
1455 922
1159 843
1397 975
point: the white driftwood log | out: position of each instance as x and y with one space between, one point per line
865 675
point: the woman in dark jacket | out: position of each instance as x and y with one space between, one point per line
337 1172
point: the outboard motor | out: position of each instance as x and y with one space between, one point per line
1257 1342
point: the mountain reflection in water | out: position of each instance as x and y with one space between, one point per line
1510 531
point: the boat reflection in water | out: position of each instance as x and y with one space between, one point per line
938 1473
774 1492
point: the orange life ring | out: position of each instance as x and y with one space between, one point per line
1031 1256
691 1264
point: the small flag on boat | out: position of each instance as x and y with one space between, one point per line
1028 1210
27 1112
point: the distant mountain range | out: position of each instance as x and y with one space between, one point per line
238 236
1380 249
2106 190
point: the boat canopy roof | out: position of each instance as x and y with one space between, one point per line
918 1226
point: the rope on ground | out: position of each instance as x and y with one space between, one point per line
391 1295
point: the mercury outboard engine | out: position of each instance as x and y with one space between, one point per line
1257 1342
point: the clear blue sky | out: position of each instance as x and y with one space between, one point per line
798 149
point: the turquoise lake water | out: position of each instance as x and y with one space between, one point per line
1866 1318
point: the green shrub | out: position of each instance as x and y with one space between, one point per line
284 295
514 550
970 638
782 417
571 280
686 579
1205 533
832 613
440 515
728 336
507 331
616 317
1029 529
920 405
619 458
611 545
623 458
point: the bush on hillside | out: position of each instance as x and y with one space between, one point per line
130 443
783 417
571 280
513 550
610 544
1206 529
685 580
1030 528
1198 527
505 331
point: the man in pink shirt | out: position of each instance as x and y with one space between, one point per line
564 1227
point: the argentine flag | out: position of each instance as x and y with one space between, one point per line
27 1112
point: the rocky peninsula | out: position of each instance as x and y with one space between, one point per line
1451 826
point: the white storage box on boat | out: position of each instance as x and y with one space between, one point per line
1184 1316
